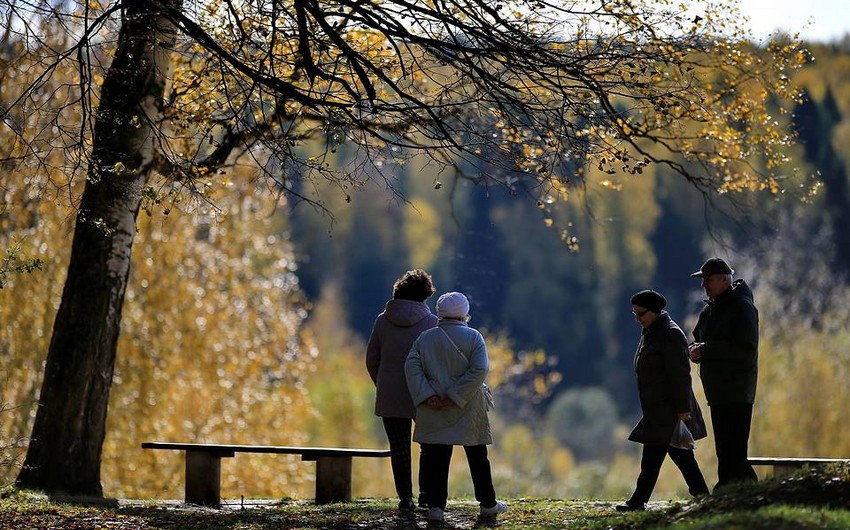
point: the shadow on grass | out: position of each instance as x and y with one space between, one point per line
822 486
816 498
365 514
290 514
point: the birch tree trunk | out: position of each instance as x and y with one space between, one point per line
64 453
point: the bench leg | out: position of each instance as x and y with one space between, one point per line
333 479
203 478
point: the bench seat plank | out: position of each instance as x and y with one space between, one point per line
771 460
203 467
308 453
787 465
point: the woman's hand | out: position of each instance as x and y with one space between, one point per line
439 403
433 403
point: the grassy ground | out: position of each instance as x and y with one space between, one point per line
807 500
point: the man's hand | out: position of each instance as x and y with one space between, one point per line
695 351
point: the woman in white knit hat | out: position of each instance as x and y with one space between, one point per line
446 370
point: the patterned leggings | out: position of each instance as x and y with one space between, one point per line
399 433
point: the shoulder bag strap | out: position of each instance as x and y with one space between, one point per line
458 350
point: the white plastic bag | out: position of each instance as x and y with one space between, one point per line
682 437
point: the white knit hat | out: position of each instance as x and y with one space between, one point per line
452 305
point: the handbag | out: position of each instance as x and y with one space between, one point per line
489 402
488 396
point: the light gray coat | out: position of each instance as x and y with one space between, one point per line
392 336
435 367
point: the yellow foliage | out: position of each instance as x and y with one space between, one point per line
35 219
211 348
803 415
524 375
343 396
211 351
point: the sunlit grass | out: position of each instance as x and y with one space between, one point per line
810 499
24 511
770 518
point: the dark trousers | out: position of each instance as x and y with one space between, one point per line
436 459
650 465
398 434
731 424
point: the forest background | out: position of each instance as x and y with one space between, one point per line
249 324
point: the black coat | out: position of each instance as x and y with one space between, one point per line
729 327
664 384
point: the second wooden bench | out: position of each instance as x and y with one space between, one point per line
203 467
786 465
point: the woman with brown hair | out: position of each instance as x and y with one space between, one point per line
406 316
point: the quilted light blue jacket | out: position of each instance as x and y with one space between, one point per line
436 367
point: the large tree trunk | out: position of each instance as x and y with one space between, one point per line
64 453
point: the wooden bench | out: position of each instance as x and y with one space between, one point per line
203 467
787 465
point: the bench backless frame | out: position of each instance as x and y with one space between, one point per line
203 467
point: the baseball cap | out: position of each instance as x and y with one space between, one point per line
713 266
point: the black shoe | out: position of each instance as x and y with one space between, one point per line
406 505
627 507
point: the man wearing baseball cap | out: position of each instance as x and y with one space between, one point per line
726 348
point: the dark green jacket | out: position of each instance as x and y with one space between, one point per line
729 327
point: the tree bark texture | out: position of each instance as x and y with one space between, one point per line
64 454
